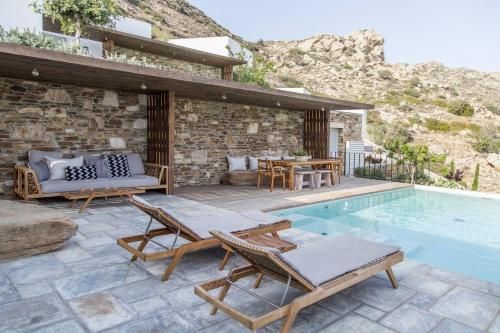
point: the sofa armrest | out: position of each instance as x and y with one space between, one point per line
25 182
158 171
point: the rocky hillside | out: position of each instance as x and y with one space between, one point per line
413 100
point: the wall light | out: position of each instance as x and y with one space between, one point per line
278 104
224 97
144 86
35 72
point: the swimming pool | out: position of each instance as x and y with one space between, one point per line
455 232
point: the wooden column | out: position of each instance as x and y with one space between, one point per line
227 73
161 131
109 47
317 133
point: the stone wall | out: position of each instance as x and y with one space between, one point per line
350 124
206 132
70 119
173 64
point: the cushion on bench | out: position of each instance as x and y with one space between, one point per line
54 186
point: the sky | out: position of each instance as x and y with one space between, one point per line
457 33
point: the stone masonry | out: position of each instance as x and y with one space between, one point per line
351 130
206 132
173 64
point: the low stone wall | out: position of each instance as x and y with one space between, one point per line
173 64
351 126
71 119
206 132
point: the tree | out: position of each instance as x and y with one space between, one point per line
475 182
256 73
411 157
76 15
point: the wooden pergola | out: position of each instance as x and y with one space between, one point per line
162 87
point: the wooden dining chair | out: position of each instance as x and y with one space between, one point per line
266 169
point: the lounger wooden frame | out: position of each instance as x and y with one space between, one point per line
171 226
265 263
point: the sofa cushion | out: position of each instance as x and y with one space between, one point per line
54 186
117 165
135 164
253 163
237 163
100 164
41 169
80 173
56 166
38 155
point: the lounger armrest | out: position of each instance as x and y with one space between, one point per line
158 171
25 181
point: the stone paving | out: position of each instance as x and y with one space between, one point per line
91 286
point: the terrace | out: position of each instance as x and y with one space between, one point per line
91 285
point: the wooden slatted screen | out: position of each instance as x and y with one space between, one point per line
317 133
161 130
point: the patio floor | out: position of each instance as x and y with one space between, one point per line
91 286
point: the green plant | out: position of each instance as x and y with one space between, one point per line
76 15
139 61
475 182
300 152
485 141
385 74
347 66
256 73
439 102
369 172
296 54
412 92
461 108
290 81
494 108
414 81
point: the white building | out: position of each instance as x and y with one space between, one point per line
223 46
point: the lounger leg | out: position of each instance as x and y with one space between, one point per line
224 261
258 281
178 255
141 247
290 318
392 277
222 295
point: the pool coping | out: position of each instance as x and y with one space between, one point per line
484 195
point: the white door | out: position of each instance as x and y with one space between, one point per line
334 142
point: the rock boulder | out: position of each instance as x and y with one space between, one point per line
28 229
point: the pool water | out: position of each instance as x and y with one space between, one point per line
455 232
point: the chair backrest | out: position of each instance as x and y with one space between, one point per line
264 260
264 164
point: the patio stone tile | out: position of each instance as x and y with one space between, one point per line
183 298
355 323
70 326
102 210
32 313
107 250
468 306
35 289
495 326
95 227
427 285
466 281
179 323
72 253
422 301
7 294
94 242
230 326
405 269
450 326
78 237
379 294
93 281
100 311
150 305
81 221
94 263
96 217
136 291
149 325
35 269
410 319
369 312
340 304
201 314
310 319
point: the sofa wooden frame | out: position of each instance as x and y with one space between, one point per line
27 186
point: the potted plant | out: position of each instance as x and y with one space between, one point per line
301 155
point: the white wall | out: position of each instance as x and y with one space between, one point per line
215 45
18 14
133 26
297 90
364 117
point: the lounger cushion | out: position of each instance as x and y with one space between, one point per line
224 221
54 186
324 260
240 240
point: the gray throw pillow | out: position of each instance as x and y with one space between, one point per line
41 170
100 164
135 164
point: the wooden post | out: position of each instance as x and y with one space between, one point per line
317 133
227 73
171 140
108 46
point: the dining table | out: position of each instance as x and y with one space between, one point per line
291 165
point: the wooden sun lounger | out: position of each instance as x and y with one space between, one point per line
267 263
172 226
